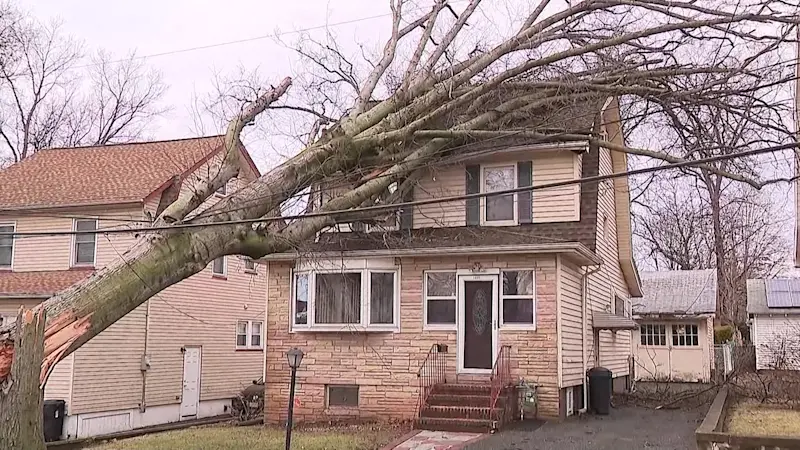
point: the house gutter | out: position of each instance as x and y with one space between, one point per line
576 250
584 323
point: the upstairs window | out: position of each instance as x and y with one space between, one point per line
249 266
6 246
249 335
219 267
499 209
363 299
621 307
84 244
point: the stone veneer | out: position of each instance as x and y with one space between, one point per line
385 365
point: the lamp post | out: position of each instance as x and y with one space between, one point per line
295 356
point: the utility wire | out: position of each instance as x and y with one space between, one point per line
395 206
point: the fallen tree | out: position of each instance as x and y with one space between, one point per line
443 102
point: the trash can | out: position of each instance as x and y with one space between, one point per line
600 390
53 422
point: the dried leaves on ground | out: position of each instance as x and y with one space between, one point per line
357 437
751 418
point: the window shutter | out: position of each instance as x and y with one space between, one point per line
407 213
473 174
524 203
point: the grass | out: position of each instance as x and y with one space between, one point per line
758 420
220 437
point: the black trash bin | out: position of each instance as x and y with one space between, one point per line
53 419
600 390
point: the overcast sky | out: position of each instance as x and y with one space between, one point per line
150 27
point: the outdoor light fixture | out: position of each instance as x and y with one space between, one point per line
295 357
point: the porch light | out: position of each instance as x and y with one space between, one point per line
295 356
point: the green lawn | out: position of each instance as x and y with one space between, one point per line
362 437
754 419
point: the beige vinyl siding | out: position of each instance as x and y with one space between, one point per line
106 376
43 252
551 205
9 307
571 335
615 348
59 384
438 183
203 311
560 204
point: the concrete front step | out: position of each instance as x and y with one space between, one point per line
462 389
453 424
462 412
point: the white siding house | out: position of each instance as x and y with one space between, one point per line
775 331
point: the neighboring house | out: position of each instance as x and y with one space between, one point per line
184 353
774 309
540 278
675 339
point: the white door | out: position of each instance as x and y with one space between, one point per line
191 382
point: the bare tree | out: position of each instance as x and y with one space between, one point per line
48 98
447 100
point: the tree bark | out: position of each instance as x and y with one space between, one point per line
21 392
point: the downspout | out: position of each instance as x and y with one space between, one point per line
145 362
266 321
584 322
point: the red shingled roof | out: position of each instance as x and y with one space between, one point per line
43 284
100 175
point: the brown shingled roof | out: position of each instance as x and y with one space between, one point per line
39 284
100 175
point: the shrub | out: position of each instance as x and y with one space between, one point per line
723 334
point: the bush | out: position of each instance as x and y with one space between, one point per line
723 334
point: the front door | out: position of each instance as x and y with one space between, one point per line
191 382
477 325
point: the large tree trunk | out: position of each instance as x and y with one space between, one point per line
21 392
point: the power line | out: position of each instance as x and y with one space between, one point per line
395 206
250 39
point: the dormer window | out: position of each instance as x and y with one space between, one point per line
499 209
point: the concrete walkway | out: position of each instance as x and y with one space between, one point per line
438 440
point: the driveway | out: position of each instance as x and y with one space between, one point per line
626 428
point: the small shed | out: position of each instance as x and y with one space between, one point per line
675 339
774 309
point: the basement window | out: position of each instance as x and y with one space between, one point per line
347 300
346 396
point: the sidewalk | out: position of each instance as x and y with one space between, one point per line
438 440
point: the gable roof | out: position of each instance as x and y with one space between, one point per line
757 300
39 284
678 292
102 175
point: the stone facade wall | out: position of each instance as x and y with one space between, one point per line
385 365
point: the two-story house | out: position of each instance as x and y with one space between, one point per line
183 354
434 315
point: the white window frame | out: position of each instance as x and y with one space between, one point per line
74 244
13 226
363 325
224 272
438 326
369 228
224 189
254 269
625 301
667 338
673 336
514 205
249 335
516 325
